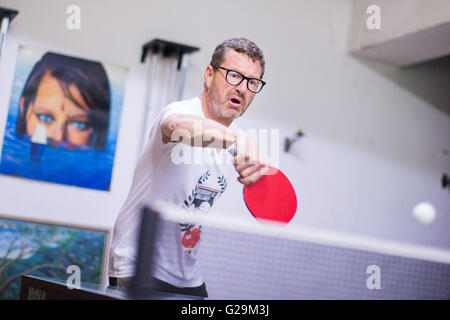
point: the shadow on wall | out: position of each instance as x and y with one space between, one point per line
428 80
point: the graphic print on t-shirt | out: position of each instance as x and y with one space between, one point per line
201 198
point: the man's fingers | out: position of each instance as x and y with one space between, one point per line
254 176
251 170
240 167
241 159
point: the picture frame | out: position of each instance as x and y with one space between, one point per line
60 127
46 248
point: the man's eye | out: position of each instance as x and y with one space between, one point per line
44 117
79 125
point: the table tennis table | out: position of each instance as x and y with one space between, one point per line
43 288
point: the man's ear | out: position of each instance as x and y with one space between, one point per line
209 73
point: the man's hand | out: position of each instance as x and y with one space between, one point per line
248 162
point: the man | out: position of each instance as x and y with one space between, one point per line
201 128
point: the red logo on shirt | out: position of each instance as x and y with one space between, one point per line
191 237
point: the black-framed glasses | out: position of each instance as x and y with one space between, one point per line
235 78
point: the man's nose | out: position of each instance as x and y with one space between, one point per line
242 87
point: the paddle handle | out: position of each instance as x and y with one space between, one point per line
232 149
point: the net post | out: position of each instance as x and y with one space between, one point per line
142 286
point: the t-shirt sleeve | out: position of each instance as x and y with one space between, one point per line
173 108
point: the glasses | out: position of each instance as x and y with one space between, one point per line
235 78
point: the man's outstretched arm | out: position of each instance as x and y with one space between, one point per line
202 132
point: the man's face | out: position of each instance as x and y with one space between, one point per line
225 102
64 120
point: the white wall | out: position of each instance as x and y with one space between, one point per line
410 31
373 146
399 18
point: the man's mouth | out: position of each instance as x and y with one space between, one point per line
235 102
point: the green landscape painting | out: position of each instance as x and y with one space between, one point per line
47 250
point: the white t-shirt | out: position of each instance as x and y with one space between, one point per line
164 172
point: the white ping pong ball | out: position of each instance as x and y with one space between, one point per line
424 213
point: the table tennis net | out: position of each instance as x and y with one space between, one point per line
256 260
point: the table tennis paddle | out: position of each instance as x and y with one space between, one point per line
272 197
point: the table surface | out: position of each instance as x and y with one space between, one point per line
94 290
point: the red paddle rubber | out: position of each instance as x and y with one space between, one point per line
272 197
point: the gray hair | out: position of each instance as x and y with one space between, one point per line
241 45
